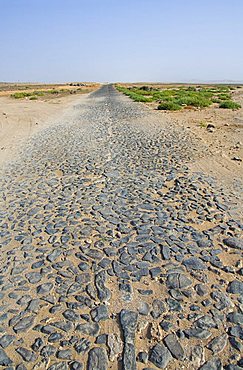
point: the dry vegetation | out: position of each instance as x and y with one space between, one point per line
45 91
27 108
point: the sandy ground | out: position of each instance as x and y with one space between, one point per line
224 159
21 118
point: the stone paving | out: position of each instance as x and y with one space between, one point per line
114 255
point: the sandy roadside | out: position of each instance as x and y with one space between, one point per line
20 119
223 161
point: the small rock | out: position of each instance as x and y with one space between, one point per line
213 364
218 344
38 343
233 243
210 127
26 354
174 347
75 365
197 356
160 356
59 366
143 357
64 354
235 287
115 346
6 340
143 308
235 317
236 344
205 322
178 281
128 321
89 328
201 289
159 307
104 293
24 324
4 359
71 315
194 263
97 359
82 345
197 333
100 313
44 288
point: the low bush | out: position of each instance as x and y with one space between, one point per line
175 98
39 93
216 100
229 104
20 95
139 98
54 91
169 105
194 101
224 96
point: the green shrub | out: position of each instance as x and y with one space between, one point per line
193 101
33 97
216 100
139 98
182 96
191 88
39 93
224 96
20 95
168 106
229 104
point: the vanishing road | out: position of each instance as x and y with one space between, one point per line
113 254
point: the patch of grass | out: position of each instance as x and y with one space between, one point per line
194 101
39 93
139 98
216 100
224 96
169 105
180 97
20 95
229 104
202 124
134 94
54 91
34 94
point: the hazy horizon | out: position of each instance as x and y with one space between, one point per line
223 82
156 41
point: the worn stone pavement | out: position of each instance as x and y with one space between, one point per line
114 255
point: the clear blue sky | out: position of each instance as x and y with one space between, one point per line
121 40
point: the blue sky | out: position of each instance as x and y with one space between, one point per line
126 40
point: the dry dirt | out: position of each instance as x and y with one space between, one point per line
224 159
21 118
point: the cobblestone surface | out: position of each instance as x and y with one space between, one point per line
114 255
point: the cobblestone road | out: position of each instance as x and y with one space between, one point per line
114 255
